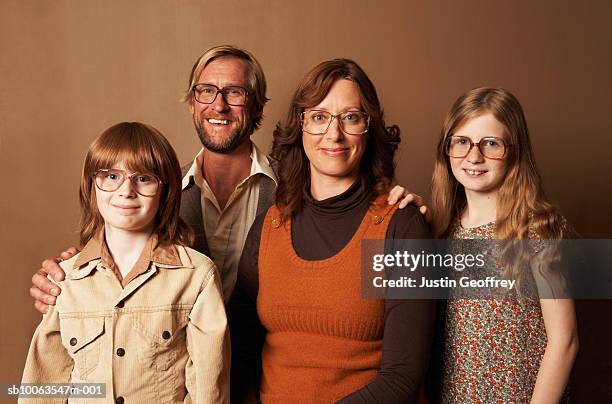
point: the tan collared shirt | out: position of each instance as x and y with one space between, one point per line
226 229
160 337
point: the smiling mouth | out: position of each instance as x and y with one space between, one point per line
218 121
126 207
474 173
334 151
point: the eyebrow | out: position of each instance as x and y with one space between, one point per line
506 141
245 86
348 109
483 137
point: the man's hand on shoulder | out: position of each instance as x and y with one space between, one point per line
43 290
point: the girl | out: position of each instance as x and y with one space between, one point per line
139 311
486 186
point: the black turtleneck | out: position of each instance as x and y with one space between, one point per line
320 230
324 227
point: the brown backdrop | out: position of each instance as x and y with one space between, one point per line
70 69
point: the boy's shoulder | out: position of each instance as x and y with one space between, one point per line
68 266
202 266
73 293
192 258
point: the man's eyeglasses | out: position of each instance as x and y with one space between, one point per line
232 95
351 122
110 180
491 147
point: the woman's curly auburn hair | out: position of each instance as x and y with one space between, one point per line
377 166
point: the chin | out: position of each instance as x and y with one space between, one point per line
481 189
127 226
340 171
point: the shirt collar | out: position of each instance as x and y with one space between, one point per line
162 255
260 165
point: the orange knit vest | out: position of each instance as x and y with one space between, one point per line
323 341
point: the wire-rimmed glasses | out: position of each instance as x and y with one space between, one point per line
110 180
317 122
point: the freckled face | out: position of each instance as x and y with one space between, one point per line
336 154
474 171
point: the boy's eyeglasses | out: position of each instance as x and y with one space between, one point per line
109 180
491 147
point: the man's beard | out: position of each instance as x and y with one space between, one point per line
227 145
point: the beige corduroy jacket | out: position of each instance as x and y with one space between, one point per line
161 338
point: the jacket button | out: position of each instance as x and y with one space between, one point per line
120 304
377 219
119 400
275 223
73 341
120 351
166 335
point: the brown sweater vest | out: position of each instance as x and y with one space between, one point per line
323 340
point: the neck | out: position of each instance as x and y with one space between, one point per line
481 209
126 246
224 171
324 187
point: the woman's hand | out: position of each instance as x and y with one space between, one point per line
43 290
405 198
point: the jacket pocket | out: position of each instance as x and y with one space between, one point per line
162 334
82 339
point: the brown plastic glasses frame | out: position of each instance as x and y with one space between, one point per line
124 177
223 92
337 116
478 144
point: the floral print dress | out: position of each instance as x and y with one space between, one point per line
492 347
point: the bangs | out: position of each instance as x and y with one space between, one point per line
134 145
314 91
318 82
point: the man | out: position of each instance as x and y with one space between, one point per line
230 181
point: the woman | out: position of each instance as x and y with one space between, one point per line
485 186
301 331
